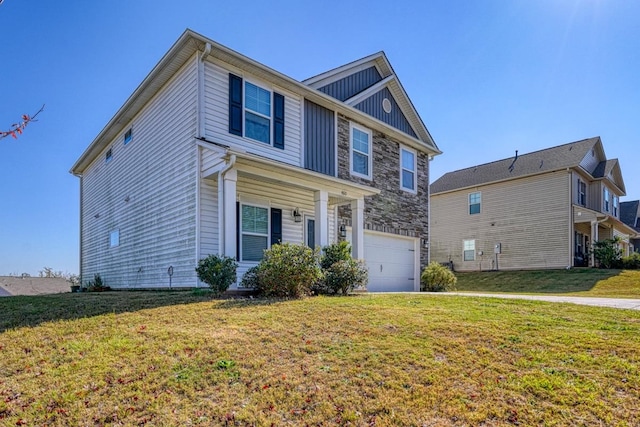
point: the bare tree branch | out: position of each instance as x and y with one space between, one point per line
17 128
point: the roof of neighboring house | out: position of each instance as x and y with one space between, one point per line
629 213
547 160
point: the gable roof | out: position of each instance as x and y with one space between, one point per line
630 213
191 43
387 79
551 159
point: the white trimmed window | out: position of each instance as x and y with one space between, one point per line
408 166
128 136
257 113
469 250
114 238
360 151
605 197
255 232
475 203
615 206
109 156
582 193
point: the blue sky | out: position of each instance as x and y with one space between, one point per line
488 77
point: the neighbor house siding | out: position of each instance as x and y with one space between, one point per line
217 116
253 191
527 216
147 192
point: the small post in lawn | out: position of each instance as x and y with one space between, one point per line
170 273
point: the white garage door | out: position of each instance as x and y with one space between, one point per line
391 262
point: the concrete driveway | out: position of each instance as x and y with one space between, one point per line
630 304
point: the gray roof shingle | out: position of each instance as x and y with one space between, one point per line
547 160
629 213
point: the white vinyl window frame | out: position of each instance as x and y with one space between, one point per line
475 203
108 156
243 233
409 170
354 151
114 238
469 250
582 193
605 199
128 136
615 206
258 114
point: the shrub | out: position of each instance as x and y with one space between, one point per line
437 278
344 276
288 270
217 271
97 284
335 252
607 253
631 262
251 279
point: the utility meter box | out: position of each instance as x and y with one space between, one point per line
497 249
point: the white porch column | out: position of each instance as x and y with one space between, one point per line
230 227
357 228
321 214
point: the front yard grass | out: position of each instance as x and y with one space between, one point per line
578 282
182 358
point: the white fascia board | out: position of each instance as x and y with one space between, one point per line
338 73
356 99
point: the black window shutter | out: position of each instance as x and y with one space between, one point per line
235 105
238 228
278 120
276 226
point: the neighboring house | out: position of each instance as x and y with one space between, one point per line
533 211
216 153
630 215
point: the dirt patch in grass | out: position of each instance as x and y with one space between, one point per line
368 360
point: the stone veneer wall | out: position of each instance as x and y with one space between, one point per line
393 210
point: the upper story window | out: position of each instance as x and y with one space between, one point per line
255 232
605 199
469 250
109 156
475 201
615 206
258 115
128 136
582 193
408 169
114 238
360 143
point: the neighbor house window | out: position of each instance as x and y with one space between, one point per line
475 200
469 250
114 238
108 156
360 151
582 193
255 232
605 197
615 206
128 136
407 169
256 112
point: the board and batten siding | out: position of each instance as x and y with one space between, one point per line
530 217
319 139
217 117
373 107
352 84
253 191
147 192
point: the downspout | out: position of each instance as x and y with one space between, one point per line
221 202
200 131
80 233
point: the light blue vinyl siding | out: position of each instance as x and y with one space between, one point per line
319 139
353 84
373 107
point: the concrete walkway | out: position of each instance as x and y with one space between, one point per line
630 304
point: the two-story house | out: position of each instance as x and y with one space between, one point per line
533 211
630 215
217 153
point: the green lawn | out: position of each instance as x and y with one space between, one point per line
578 282
182 358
